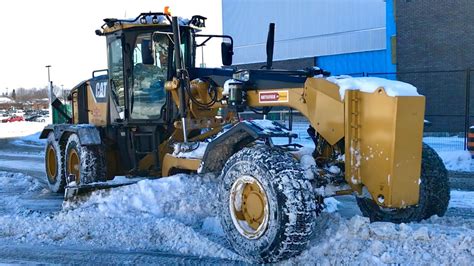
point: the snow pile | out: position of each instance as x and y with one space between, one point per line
188 199
174 215
371 84
330 205
30 140
457 160
357 241
451 150
17 182
178 215
20 129
13 186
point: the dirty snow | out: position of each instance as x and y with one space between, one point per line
193 150
371 84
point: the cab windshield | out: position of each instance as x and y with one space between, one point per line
150 72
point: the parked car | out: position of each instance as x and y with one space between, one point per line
13 119
41 118
32 118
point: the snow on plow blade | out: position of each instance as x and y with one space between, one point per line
72 190
383 142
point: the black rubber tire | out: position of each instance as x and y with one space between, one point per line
290 197
92 164
434 194
57 183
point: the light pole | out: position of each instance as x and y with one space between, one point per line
62 93
50 96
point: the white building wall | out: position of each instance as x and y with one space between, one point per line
304 28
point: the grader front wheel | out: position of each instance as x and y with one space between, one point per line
248 206
268 208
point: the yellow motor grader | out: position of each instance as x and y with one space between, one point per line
153 113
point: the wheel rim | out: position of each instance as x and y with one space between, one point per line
249 207
51 164
73 164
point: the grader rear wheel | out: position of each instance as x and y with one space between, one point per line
73 164
86 163
54 161
268 207
434 194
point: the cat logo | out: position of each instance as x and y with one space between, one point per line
100 88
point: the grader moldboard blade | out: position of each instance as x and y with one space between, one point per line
73 191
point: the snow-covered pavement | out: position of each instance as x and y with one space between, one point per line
174 220
177 215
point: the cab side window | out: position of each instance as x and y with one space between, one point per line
116 74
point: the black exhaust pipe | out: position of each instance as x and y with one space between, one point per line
180 74
270 45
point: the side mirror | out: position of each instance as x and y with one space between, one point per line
227 51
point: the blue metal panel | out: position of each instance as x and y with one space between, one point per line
391 30
304 28
354 64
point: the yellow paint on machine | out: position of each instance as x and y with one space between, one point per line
171 163
383 145
382 134
97 111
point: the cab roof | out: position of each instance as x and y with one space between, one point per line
151 19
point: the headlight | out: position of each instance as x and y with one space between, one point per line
242 75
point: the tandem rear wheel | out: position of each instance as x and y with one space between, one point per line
67 156
54 163
86 163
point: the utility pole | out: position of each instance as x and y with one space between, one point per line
62 93
50 95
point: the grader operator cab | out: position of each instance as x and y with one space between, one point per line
153 113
